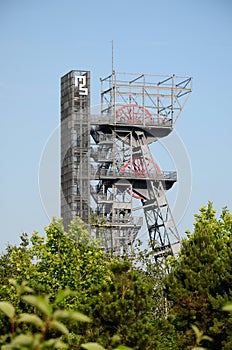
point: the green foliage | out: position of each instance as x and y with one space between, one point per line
200 281
227 307
45 329
22 335
7 308
92 346
117 296
131 301
200 337
123 306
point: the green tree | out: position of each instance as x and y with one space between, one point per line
123 306
200 281
117 296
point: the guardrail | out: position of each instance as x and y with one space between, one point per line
108 221
104 173
157 120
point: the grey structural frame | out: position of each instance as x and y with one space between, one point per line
108 174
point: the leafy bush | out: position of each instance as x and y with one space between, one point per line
45 327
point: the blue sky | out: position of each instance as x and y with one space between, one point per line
42 40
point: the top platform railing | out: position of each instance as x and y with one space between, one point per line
142 99
112 119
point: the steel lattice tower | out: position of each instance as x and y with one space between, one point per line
136 110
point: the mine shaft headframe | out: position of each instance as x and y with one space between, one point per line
163 96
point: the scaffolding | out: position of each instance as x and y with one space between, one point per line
108 174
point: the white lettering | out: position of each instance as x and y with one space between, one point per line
80 82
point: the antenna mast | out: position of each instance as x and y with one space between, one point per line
112 43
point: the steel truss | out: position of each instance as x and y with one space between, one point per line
136 110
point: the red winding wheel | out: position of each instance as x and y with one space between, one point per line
138 168
134 114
